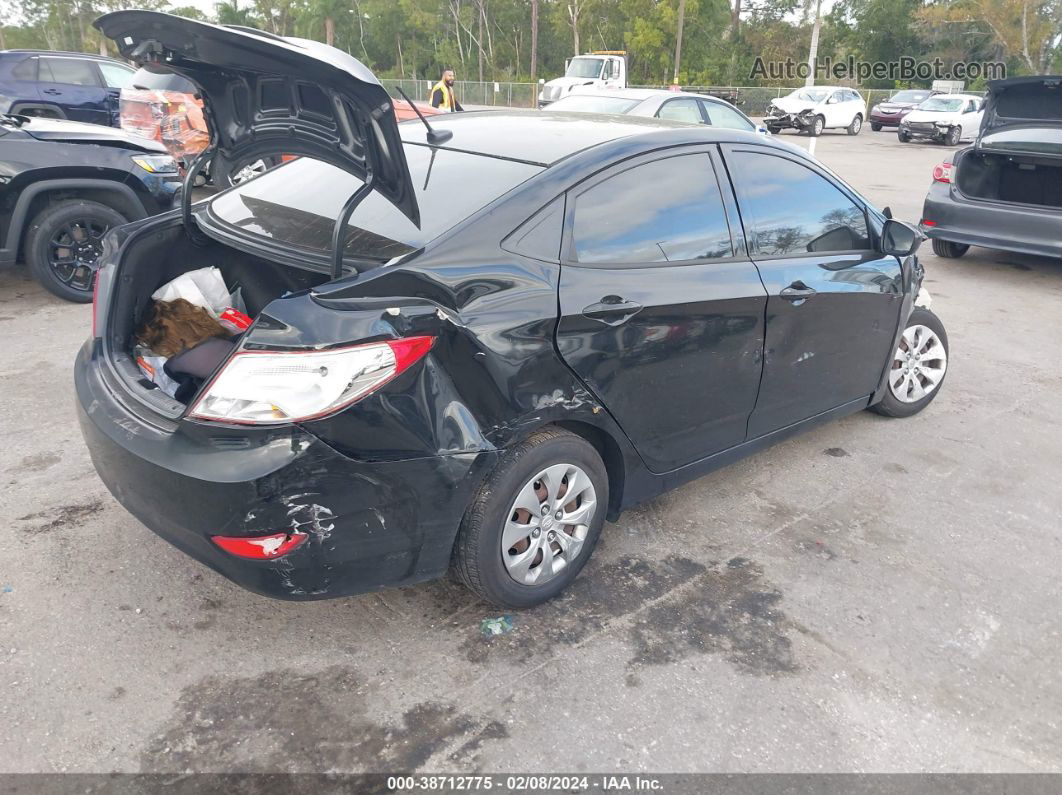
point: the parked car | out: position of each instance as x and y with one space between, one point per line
481 377
890 112
62 85
1005 191
658 104
64 185
817 108
945 118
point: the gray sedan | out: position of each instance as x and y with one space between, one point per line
656 103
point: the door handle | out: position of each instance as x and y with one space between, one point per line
798 292
51 91
612 310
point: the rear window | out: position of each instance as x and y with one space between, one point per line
297 203
583 104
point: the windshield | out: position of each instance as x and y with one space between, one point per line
909 96
297 203
585 67
942 104
594 104
1035 140
812 94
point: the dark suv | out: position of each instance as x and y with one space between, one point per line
63 185
62 85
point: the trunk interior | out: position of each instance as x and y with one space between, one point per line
151 262
1023 179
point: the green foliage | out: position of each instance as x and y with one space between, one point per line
418 38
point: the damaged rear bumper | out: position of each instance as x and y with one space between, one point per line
370 525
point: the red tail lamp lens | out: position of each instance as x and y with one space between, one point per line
260 547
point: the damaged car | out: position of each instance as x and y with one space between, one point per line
475 339
945 118
1005 191
814 109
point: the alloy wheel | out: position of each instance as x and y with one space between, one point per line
548 523
918 366
73 251
248 171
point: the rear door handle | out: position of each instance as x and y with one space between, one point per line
612 310
51 91
797 292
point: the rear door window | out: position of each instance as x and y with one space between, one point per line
682 218
789 209
70 71
27 70
680 110
116 76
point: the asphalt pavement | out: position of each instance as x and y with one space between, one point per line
875 595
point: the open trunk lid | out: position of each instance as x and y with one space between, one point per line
1023 115
266 94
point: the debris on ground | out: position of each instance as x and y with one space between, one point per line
502 625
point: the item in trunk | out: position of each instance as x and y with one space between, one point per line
192 367
153 368
204 287
176 326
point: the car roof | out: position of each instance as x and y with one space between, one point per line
546 137
641 94
539 137
61 53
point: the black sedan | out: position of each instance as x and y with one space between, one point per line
473 344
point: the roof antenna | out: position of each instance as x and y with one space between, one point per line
435 137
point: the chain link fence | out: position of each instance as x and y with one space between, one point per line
753 100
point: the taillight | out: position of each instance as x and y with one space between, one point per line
260 547
276 387
942 173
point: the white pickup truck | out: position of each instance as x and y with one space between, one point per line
599 69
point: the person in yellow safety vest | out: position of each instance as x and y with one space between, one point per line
442 94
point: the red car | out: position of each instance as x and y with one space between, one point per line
889 112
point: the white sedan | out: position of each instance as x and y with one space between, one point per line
945 118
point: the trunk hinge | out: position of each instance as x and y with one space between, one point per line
186 194
341 222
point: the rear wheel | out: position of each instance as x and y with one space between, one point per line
953 136
534 522
227 174
949 250
64 242
918 366
855 126
875 126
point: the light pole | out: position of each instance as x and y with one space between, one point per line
678 40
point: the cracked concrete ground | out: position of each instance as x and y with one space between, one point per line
876 595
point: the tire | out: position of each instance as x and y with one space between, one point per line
773 130
510 578
949 250
923 347
903 137
875 127
79 224
225 174
953 137
817 126
855 126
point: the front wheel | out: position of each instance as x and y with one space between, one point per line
63 244
773 130
953 137
534 522
875 127
903 136
918 366
818 124
949 250
855 126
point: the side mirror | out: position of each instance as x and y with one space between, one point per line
900 239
